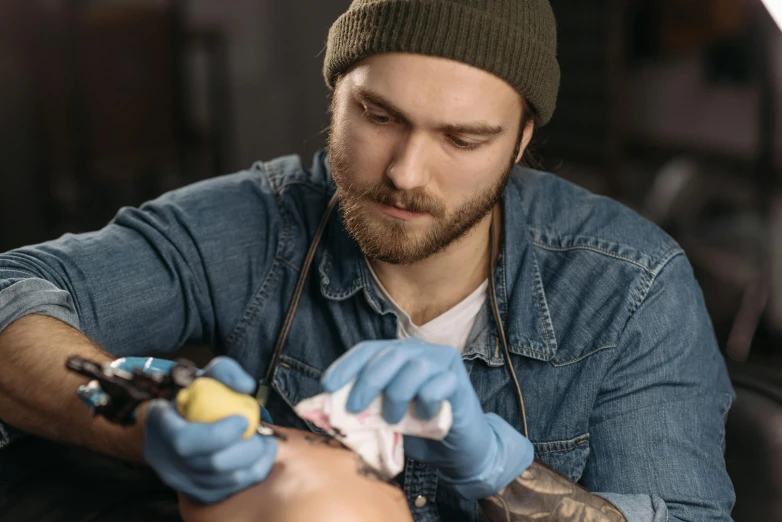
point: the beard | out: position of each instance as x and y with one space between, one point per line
387 239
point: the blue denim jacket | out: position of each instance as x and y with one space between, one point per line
626 392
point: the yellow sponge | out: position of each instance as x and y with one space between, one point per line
209 400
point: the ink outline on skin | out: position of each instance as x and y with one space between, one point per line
362 467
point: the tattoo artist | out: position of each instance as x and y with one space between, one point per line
568 333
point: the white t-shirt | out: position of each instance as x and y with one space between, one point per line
451 328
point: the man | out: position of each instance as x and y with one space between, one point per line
434 103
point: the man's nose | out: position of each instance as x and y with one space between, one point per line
409 170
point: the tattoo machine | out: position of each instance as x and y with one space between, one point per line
115 394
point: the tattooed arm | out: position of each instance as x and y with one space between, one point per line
543 495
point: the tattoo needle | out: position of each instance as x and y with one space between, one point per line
268 431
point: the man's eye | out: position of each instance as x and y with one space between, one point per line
464 145
376 118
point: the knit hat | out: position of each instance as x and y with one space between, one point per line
513 39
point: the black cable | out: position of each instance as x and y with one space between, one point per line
501 329
286 325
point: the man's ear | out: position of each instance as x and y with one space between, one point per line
526 137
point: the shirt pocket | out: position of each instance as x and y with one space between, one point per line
293 382
567 457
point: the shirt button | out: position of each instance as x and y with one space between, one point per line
420 501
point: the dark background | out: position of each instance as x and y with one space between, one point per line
673 107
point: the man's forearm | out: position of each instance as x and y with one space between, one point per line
38 394
543 495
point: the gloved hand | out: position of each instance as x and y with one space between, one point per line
207 461
481 453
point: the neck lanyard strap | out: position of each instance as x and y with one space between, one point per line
264 386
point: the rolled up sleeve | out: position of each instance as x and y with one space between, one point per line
646 508
20 297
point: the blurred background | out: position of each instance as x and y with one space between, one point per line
673 107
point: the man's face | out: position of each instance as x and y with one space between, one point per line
421 149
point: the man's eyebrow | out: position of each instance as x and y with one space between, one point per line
477 128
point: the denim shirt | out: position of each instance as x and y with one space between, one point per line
626 392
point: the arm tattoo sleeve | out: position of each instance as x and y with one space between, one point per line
542 495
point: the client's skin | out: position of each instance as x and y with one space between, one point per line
313 478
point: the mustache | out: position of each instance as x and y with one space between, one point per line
414 200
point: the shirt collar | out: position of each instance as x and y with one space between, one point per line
521 298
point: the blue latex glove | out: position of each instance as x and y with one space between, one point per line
207 461
481 453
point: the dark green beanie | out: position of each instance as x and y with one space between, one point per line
513 39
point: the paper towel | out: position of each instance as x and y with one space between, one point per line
380 444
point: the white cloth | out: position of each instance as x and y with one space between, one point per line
451 328
380 444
